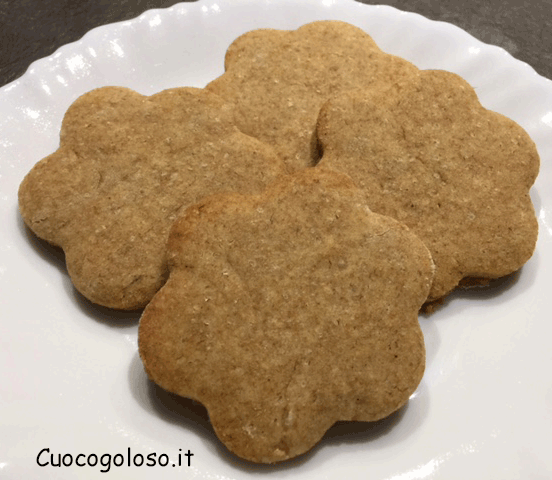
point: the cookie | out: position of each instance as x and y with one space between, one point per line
458 175
126 166
288 311
279 79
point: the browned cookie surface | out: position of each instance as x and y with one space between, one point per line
288 311
279 79
126 165
429 155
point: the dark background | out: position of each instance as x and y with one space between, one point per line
32 29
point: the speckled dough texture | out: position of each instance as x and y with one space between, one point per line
428 154
126 166
279 79
288 311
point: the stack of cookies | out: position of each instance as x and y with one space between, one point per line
284 226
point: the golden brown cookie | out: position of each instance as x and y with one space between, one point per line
429 155
288 311
279 79
127 164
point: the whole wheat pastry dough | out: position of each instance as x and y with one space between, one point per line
428 154
279 79
288 311
125 167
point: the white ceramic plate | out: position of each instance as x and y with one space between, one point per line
71 378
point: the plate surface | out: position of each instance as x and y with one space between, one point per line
72 382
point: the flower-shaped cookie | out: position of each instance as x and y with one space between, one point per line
458 175
126 166
288 311
278 80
